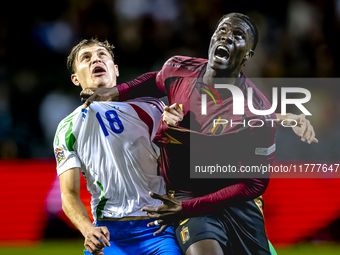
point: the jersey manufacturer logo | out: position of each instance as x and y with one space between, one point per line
183 222
265 151
185 235
84 111
59 155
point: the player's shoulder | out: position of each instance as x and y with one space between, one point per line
71 117
66 124
182 66
149 101
185 60
144 100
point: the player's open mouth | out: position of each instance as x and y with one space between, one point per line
222 52
98 70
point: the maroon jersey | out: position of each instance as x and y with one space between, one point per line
197 142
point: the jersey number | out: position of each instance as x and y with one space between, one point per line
114 121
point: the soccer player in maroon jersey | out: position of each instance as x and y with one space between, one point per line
219 216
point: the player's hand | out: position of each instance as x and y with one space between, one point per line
173 115
88 95
167 214
96 239
304 128
163 226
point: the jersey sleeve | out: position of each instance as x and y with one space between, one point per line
162 75
63 146
170 71
142 86
240 192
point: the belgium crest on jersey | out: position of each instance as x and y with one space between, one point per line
217 126
185 234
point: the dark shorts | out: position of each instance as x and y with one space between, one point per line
239 230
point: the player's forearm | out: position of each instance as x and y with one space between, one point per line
243 191
144 85
76 212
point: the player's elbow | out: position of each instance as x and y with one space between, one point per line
258 186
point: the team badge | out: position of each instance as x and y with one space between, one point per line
59 155
185 234
219 124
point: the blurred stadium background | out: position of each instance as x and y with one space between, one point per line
298 38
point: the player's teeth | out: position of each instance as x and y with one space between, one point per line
222 48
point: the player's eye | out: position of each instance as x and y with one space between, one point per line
85 57
102 53
238 34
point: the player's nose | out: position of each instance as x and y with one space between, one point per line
96 60
227 39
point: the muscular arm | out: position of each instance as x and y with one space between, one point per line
172 210
76 212
144 86
72 205
243 191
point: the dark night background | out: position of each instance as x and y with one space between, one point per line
297 39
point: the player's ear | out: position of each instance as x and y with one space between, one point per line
116 70
248 55
75 80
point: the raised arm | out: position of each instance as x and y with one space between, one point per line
244 191
76 212
303 127
144 85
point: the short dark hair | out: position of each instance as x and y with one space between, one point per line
247 20
86 42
